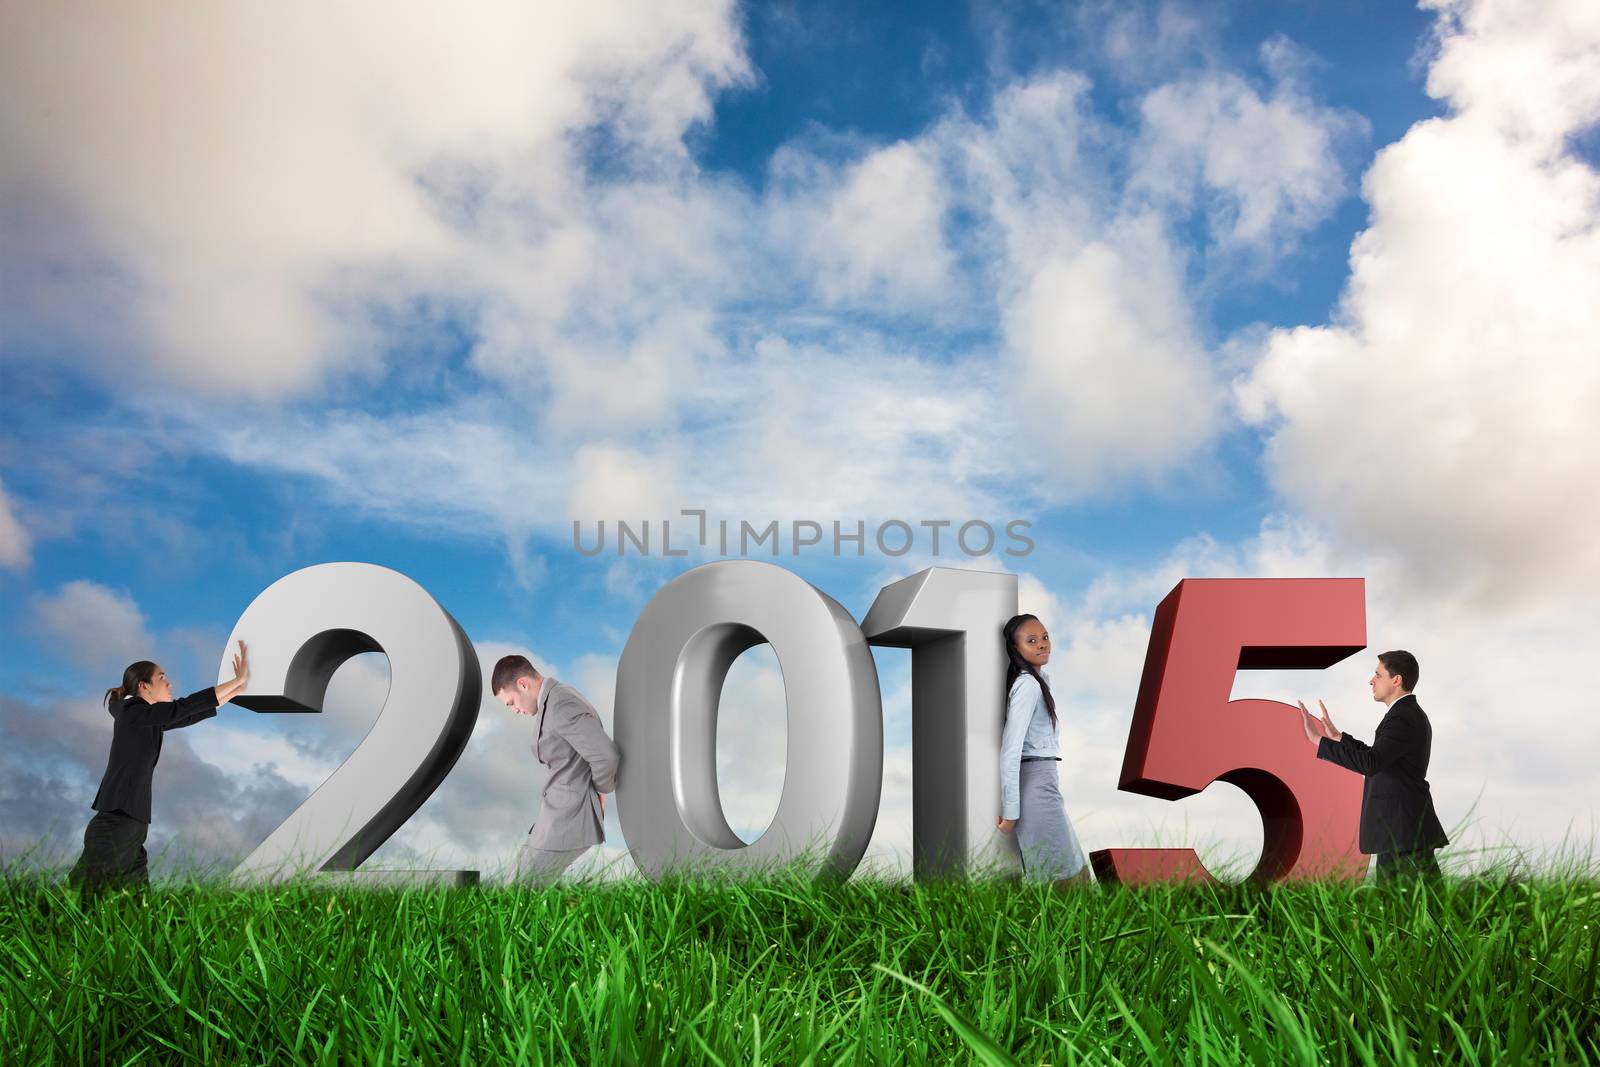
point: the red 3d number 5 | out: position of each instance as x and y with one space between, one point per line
1186 733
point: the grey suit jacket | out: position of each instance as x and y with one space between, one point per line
572 742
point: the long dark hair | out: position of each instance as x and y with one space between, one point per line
142 671
1016 666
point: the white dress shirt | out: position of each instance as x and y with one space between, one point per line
1028 732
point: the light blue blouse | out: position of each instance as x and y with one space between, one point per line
1028 732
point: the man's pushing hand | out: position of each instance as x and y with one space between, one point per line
1324 725
1327 724
1312 725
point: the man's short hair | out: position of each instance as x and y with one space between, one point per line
1403 664
508 670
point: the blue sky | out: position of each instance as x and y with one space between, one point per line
1176 283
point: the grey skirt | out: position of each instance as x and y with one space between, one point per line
1050 848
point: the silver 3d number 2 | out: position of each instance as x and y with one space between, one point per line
300 630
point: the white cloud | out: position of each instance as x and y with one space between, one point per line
100 628
643 335
907 438
1446 413
901 436
603 318
1109 372
1104 366
15 544
1527 69
1105 362
1264 168
871 232
282 171
457 469
1140 40
614 483
1035 598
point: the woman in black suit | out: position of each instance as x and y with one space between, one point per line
113 842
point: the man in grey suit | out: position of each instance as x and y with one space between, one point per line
572 742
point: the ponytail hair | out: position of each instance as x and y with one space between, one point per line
1016 666
142 671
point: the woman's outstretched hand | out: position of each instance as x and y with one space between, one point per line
241 675
1006 825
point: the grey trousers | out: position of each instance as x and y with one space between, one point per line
1050 847
541 866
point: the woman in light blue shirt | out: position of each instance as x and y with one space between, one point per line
1030 788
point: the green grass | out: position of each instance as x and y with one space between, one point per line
778 970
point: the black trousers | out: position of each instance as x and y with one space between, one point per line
1393 866
113 853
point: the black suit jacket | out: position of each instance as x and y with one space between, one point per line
136 745
1396 804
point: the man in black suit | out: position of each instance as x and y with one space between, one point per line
1397 818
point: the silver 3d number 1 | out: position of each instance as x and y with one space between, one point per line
669 684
